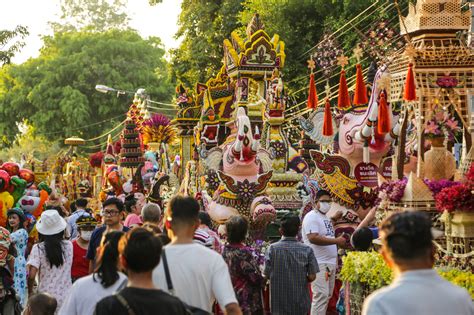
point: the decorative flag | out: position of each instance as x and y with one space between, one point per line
409 93
343 96
383 119
327 124
360 93
312 94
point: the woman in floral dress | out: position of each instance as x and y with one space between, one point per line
19 237
51 258
244 271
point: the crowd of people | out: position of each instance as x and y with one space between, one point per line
138 259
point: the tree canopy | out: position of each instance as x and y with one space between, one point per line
11 41
91 15
56 91
300 24
203 25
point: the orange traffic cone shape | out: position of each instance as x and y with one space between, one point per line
343 100
383 119
409 94
327 124
312 94
360 93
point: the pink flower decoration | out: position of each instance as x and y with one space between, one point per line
431 127
452 124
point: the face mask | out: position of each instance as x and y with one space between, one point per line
324 207
86 235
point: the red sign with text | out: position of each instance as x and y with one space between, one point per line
366 174
386 168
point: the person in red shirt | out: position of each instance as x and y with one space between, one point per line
80 264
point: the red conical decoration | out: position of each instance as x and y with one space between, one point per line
343 100
409 94
360 93
312 94
327 124
383 119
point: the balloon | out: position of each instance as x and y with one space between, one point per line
19 186
115 181
30 221
43 198
4 180
110 169
45 186
27 175
6 202
127 187
28 203
32 192
12 169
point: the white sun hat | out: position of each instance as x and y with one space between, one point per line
50 223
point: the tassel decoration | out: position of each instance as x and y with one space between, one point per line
327 123
343 100
383 119
409 93
360 93
312 94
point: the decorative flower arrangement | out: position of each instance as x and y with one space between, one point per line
437 185
391 191
370 269
440 125
459 197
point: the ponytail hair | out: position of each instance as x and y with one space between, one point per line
108 259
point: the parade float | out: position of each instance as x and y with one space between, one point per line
139 160
237 156
394 148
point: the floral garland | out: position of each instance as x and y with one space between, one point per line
393 191
458 197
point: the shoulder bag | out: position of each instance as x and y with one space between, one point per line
191 310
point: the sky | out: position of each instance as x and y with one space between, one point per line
159 20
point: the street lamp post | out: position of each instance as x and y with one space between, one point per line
141 93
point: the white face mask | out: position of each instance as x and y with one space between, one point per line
324 207
86 235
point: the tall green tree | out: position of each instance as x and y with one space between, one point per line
92 15
11 41
56 91
301 25
203 24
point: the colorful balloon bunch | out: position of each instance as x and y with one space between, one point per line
17 187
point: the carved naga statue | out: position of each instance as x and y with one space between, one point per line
239 170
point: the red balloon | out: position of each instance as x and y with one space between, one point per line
4 180
11 168
27 175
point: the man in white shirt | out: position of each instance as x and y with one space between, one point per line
318 233
199 275
417 288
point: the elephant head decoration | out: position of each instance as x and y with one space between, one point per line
239 171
